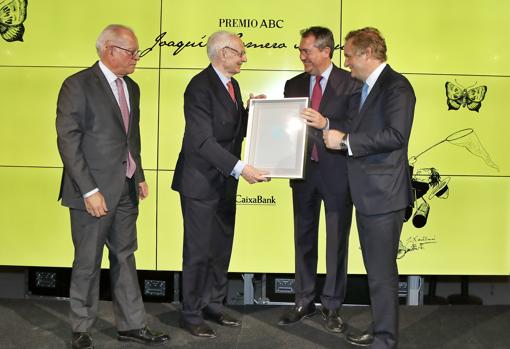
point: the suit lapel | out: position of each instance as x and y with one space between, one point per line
131 103
372 96
221 92
239 107
305 87
107 91
331 87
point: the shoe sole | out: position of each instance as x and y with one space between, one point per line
136 340
196 335
357 344
307 316
211 319
74 347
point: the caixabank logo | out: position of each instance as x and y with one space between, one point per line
256 200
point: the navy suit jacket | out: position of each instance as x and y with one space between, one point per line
379 176
335 106
215 128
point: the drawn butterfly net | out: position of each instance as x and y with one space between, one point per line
467 139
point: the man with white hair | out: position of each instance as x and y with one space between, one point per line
99 142
206 177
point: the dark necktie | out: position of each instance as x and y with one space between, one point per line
131 165
316 102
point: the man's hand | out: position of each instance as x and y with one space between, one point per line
143 190
314 118
261 96
252 175
96 205
332 138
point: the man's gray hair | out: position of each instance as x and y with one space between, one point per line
217 41
110 33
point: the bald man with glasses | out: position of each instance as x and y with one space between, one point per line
206 177
99 142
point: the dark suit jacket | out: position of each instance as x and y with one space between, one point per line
334 105
91 138
379 177
213 135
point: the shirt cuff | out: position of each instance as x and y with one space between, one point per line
90 193
238 169
327 125
347 145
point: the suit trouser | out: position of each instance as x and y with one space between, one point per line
307 198
208 238
379 236
118 231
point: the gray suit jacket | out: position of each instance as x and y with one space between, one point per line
91 138
378 171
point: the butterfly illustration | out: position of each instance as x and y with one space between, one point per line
457 96
12 16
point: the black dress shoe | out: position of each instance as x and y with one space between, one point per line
82 340
200 330
222 319
143 335
334 322
364 339
297 313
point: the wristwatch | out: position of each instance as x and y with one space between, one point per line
343 142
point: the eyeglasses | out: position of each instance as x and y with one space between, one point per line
238 54
133 53
306 51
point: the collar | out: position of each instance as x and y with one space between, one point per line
372 78
222 77
108 74
325 74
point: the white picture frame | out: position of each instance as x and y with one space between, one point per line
276 137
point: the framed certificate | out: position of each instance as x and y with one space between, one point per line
276 136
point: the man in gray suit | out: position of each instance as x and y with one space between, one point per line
376 140
99 143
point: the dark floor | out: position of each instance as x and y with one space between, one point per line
43 324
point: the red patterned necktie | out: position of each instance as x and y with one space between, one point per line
231 91
316 102
131 165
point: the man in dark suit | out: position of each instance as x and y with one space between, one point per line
206 177
329 89
99 143
376 140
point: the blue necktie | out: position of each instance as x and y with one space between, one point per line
364 94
